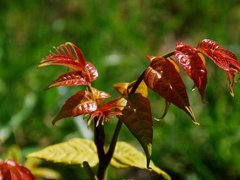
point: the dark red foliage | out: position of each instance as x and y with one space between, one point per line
193 64
162 77
223 58
10 170
89 102
106 112
80 103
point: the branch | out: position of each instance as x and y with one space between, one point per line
113 142
99 138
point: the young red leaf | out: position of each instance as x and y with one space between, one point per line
98 96
11 170
193 65
137 116
107 111
80 103
223 58
91 71
74 78
71 56
67 55
162 77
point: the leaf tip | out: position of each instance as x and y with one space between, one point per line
150 58
189 110
196 123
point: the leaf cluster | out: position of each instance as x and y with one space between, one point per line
133 106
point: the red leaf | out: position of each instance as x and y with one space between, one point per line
79 104
74 78
98 96
223 58
162 77
91 71
107 111
137 116
67 55
193 64
71 56
11 170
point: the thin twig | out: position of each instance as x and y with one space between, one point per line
89 170
114 141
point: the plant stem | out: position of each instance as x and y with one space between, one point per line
113 142
99 136
136 84
89 171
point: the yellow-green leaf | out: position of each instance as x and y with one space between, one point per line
137 116
74 151
125 155
125 88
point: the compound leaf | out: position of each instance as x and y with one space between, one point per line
68 55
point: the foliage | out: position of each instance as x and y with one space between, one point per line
11 170
78 151
133 108
114 36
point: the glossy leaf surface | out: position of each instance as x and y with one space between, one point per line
79 104
125 155
74 151
137 117
11 170
193 64
106 112
74 78
91 71
68 55
98 96
223 58
162 77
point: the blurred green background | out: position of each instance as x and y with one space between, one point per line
115 36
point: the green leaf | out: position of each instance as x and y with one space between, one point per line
74 151
125 155
138 118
